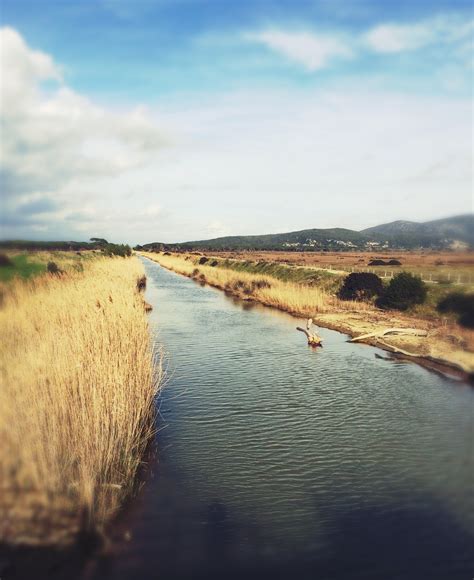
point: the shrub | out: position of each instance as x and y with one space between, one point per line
122 250
203 260
141 283
460 304
404 290
213 263
377 262
5 261
361 286
53 268
259 284
394 262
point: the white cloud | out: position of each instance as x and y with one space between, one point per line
246 162
22 69
55 140
441 30
313 51
393 38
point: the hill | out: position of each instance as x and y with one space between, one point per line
445 233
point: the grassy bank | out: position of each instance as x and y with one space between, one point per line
77 399
291 295
293 290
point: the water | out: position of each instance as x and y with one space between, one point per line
276 460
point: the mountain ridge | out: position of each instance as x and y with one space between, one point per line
453 232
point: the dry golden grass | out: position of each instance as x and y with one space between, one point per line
299 299
77 399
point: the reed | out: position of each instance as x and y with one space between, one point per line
76 402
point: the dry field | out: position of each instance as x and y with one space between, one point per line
77 399
324 259
455 266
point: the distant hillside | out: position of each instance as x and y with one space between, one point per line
440 234
444 231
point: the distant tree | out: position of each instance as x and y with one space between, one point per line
99 241
404 290
361 286
462 305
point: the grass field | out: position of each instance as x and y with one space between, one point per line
77 400
453 267
30 264
21 266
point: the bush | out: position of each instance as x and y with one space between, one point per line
122 250
141 283
214 263
404 290
361 286
379 262
203 260
5 261
53 268
460 304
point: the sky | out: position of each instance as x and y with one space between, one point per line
174 120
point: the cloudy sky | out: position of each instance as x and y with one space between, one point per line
171 120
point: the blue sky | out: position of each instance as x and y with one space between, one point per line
170 120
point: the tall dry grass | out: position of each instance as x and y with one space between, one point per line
299 299
76 400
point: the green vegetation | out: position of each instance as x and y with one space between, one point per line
20 266
460 304
361 286
28 245
403 291
122 250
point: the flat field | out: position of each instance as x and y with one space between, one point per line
454 267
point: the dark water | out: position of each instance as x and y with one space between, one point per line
276 460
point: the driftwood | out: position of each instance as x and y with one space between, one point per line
313 338
398 331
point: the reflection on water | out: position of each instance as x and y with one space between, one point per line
280 460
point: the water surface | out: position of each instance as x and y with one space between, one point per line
276 460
